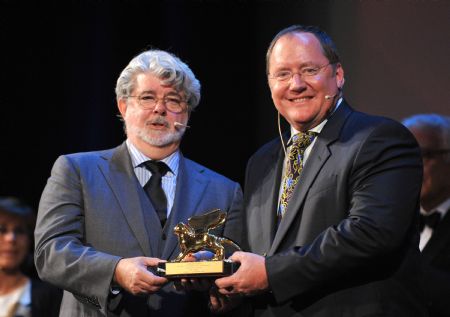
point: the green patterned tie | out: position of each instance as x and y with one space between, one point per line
300 142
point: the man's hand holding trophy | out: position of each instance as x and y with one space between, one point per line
202 259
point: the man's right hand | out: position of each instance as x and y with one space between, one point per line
132 274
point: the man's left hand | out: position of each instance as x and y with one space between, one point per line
249 279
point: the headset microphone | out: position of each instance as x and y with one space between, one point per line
328 97
178 124
281 136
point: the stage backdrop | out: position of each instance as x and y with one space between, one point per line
60 62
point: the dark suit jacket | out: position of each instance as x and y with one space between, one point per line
93 212
436 259
348 243
45 299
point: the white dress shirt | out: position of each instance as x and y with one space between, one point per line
427 232
168 181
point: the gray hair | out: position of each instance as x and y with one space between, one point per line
166 66
436 123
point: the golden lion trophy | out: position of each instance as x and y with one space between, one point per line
195 237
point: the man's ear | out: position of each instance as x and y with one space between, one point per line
122 105
341 83
340 80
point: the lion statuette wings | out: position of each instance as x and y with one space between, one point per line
195 236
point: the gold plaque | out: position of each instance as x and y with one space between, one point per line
194 237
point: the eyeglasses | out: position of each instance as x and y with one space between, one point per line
307 71
430 154
172 103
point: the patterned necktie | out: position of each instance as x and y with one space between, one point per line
154 190
300 142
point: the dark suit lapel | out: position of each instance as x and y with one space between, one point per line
191 185
120 175
317 158
272 168
263 183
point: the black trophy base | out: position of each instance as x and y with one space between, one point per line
199 269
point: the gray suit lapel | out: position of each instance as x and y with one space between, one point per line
120 175
317 158
191 185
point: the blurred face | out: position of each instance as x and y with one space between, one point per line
301 99
436 171
154 127
14 242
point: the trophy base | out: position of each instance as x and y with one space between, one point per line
200 269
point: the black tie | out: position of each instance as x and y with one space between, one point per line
154 189
430 220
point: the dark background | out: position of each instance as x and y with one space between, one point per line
60 60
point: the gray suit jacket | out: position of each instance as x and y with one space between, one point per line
93 212
348 243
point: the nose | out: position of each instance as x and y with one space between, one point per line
297 82
10 236
160 107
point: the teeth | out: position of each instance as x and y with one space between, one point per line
299 99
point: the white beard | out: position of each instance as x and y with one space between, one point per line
159 138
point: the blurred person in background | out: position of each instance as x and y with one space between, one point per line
432 132
20 294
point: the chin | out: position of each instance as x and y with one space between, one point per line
10 265
160 139
302 121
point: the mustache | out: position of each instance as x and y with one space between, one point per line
158 120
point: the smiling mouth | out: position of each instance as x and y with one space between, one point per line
302 99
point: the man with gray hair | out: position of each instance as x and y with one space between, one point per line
432 132
105 218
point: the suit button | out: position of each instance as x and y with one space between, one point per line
163 237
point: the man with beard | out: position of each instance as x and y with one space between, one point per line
101 228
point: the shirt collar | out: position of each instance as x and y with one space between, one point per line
442 209
137 158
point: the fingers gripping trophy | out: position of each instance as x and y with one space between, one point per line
195 237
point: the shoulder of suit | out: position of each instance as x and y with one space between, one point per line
360 121
270 147
91 155
356 121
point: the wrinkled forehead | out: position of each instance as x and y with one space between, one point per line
151 83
